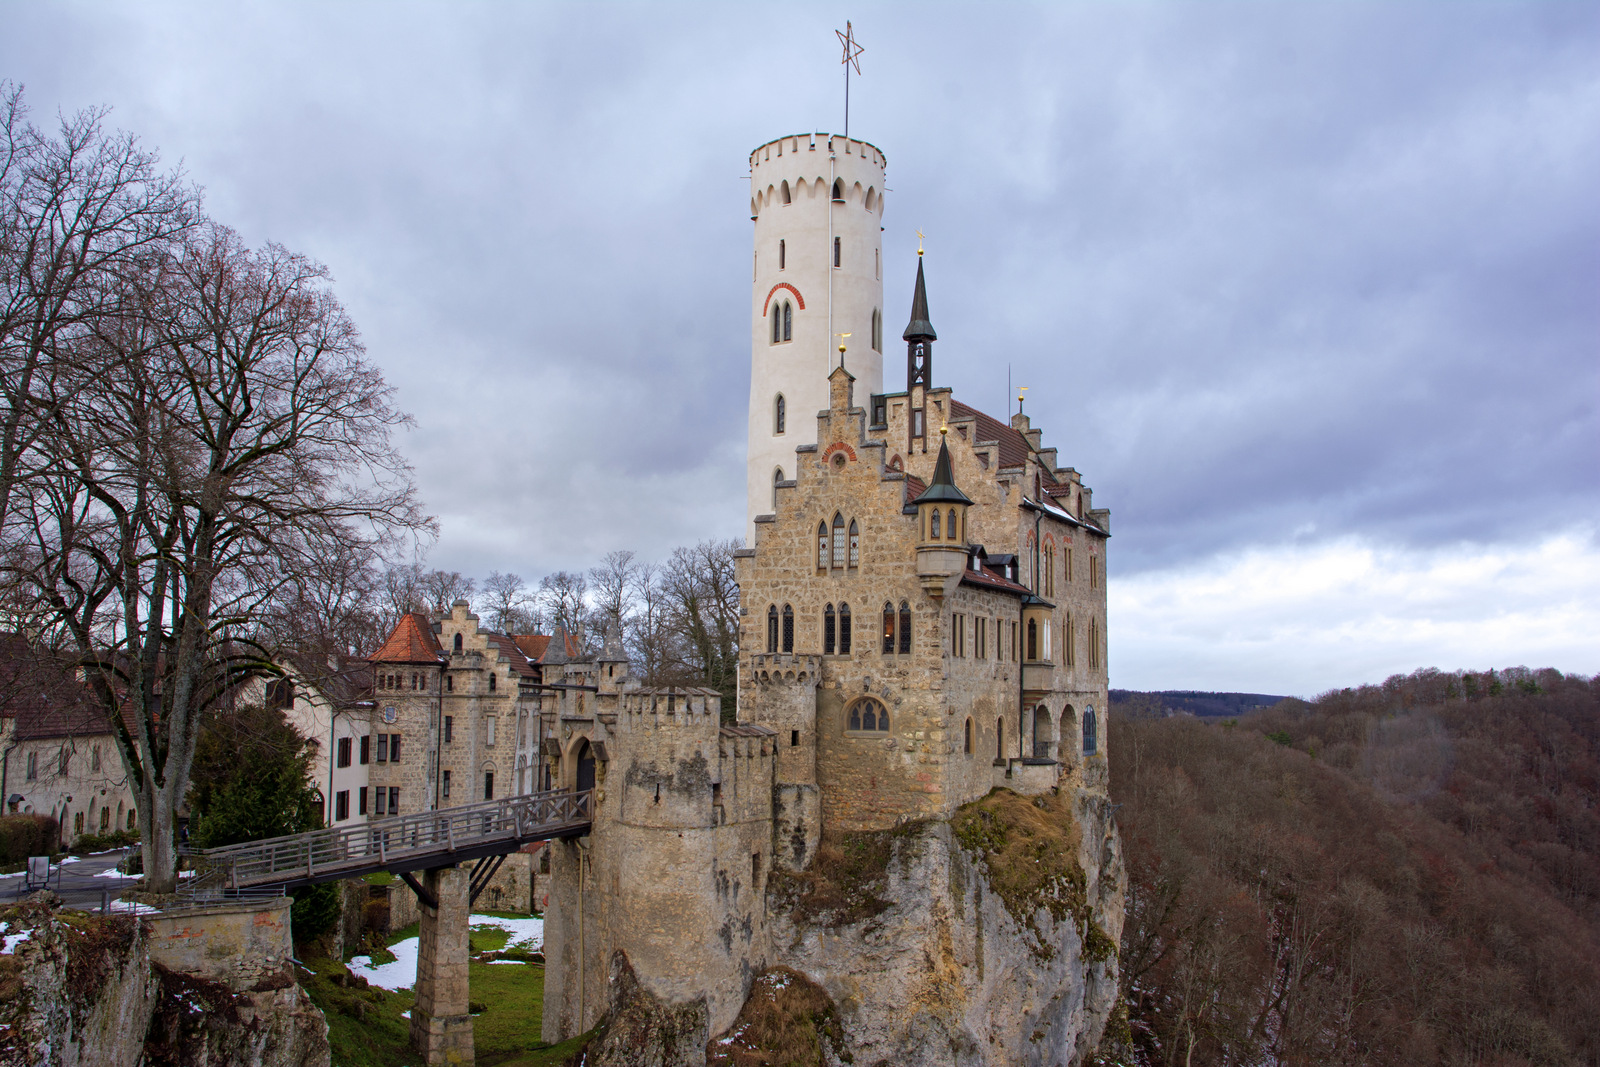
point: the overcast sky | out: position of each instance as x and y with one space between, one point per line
1309 293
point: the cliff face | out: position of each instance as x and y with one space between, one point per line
82 990
989 939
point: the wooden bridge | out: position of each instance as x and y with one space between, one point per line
481 833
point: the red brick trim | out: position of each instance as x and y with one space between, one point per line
839 446
774 289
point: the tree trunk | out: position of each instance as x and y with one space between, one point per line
158 843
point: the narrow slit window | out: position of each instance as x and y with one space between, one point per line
779 414
888 628
788 321
781 255
836 252
777 476
788 628
772 628
844 629
905 628
855 544
934 531
822 546
827 630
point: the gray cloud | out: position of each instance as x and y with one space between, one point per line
1272 273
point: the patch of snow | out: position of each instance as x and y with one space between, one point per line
401 974
112 872
133 907
70 859
524 933
519 963
406 1014
9 942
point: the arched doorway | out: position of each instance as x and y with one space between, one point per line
585 766
1069 730
1041 732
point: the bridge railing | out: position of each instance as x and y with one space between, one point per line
381 841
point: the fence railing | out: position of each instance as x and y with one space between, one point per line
401 839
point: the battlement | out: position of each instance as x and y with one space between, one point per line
810 145
805 175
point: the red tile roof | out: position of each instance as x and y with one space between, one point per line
514 653
915 487
413 641
534 645
42 693
989 579
1013 446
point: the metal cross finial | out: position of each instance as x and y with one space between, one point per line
852 52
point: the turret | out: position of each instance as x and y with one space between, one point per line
816 201
919 337
941 526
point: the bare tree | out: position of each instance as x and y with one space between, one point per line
702 603
210 444
611 582
508 604
441 589
400 593
563 600
648 631
77 211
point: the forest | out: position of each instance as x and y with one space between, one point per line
1404 873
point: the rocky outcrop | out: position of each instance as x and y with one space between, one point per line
987 940
83 991
78 990
643 1031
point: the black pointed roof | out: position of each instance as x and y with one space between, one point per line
919 329
943 487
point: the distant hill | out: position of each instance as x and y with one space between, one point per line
1164 702
1402 874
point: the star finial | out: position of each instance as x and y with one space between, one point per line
852 50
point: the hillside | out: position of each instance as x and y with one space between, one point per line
1163 702
1397 874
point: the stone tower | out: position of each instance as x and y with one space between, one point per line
817 203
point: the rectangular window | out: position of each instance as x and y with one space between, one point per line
916 422
383 748
394 748
836 251
341 805
981 638
449 728
361 801
379 807
488 785
880 411
1094 573
344 751
33 766
445 786
394 800
1047 639
1069 564
488 729
794 738
366 750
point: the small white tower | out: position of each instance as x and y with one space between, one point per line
817 203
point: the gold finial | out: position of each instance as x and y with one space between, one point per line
944 428
1021 389
919 242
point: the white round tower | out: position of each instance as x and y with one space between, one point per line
817 202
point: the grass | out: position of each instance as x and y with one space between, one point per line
366 1030
1029 847
783 1024
841 886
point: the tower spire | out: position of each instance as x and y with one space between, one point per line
919 328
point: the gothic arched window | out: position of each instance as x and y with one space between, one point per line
838 189
951 525
777 323
905 628
933 531
838 540
788 628
491 681
779 414
1089 739
777 476
844 629
788 321
458 643
827 630
855 544
1033 639
877 330
888 628
868 714
822 546
783 192
772 628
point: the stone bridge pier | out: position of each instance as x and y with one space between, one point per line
441 1028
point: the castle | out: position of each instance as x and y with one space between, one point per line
923 619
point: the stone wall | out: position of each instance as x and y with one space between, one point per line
236 944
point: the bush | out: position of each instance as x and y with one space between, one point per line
22 836
88 843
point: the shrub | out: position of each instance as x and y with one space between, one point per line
22 836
